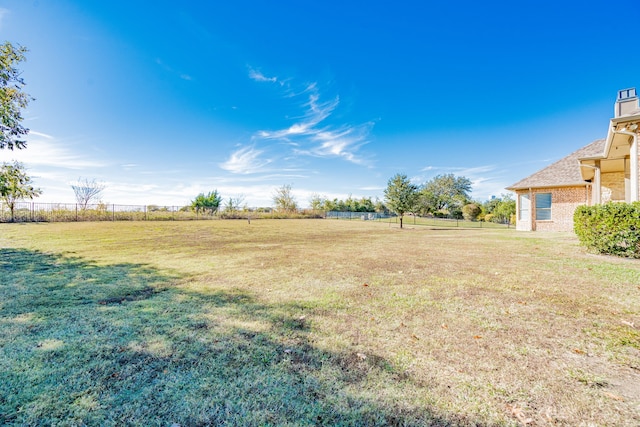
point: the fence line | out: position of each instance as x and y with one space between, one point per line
73 212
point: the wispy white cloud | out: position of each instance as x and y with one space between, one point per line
312 134
171 70
46 150
263 177
3 13
372 188
244 161
259 77
343 143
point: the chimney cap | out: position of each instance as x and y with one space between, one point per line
625 94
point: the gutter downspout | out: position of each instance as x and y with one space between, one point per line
633 153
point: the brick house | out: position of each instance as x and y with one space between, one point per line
604 171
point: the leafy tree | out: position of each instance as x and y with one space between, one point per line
471 211
445 193
380 207
316 202
12 98
15 185
364 204
208 203
501 209
401 195
284 200
87 190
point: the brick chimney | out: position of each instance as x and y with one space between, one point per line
627 102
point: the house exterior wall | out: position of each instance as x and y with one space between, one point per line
639 174
613 187
522 225
564 202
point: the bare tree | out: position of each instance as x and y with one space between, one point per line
235 204
284 200
87 190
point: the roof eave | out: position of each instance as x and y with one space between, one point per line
612 125
527 187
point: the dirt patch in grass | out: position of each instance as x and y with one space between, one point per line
313 323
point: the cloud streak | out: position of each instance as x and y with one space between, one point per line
313 134
259 77
244 161
46 150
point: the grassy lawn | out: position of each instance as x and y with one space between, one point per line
313 322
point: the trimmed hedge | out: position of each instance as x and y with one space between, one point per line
611 228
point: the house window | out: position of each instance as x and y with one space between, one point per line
543 206
524 207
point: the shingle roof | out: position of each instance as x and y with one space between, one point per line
563 173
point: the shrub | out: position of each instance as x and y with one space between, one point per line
471 211
612 228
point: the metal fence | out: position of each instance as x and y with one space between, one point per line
71 212
364 216
432 221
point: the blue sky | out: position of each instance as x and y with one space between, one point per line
163 100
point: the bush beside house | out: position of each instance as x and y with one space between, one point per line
611 228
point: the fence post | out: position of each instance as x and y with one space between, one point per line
113 212
76 212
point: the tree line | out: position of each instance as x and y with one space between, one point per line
445 196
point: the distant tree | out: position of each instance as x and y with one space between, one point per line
365 204
471 211
379 206
445 193
340 205
207 203
316 202
401 195
87 190
15 185
234 204
330 205
12 98
501 209
284 200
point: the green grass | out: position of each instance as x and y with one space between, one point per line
313 322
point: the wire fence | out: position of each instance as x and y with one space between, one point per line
364 216
73 212
429 221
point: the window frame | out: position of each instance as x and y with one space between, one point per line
522 209
543 212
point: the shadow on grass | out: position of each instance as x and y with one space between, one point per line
88 344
